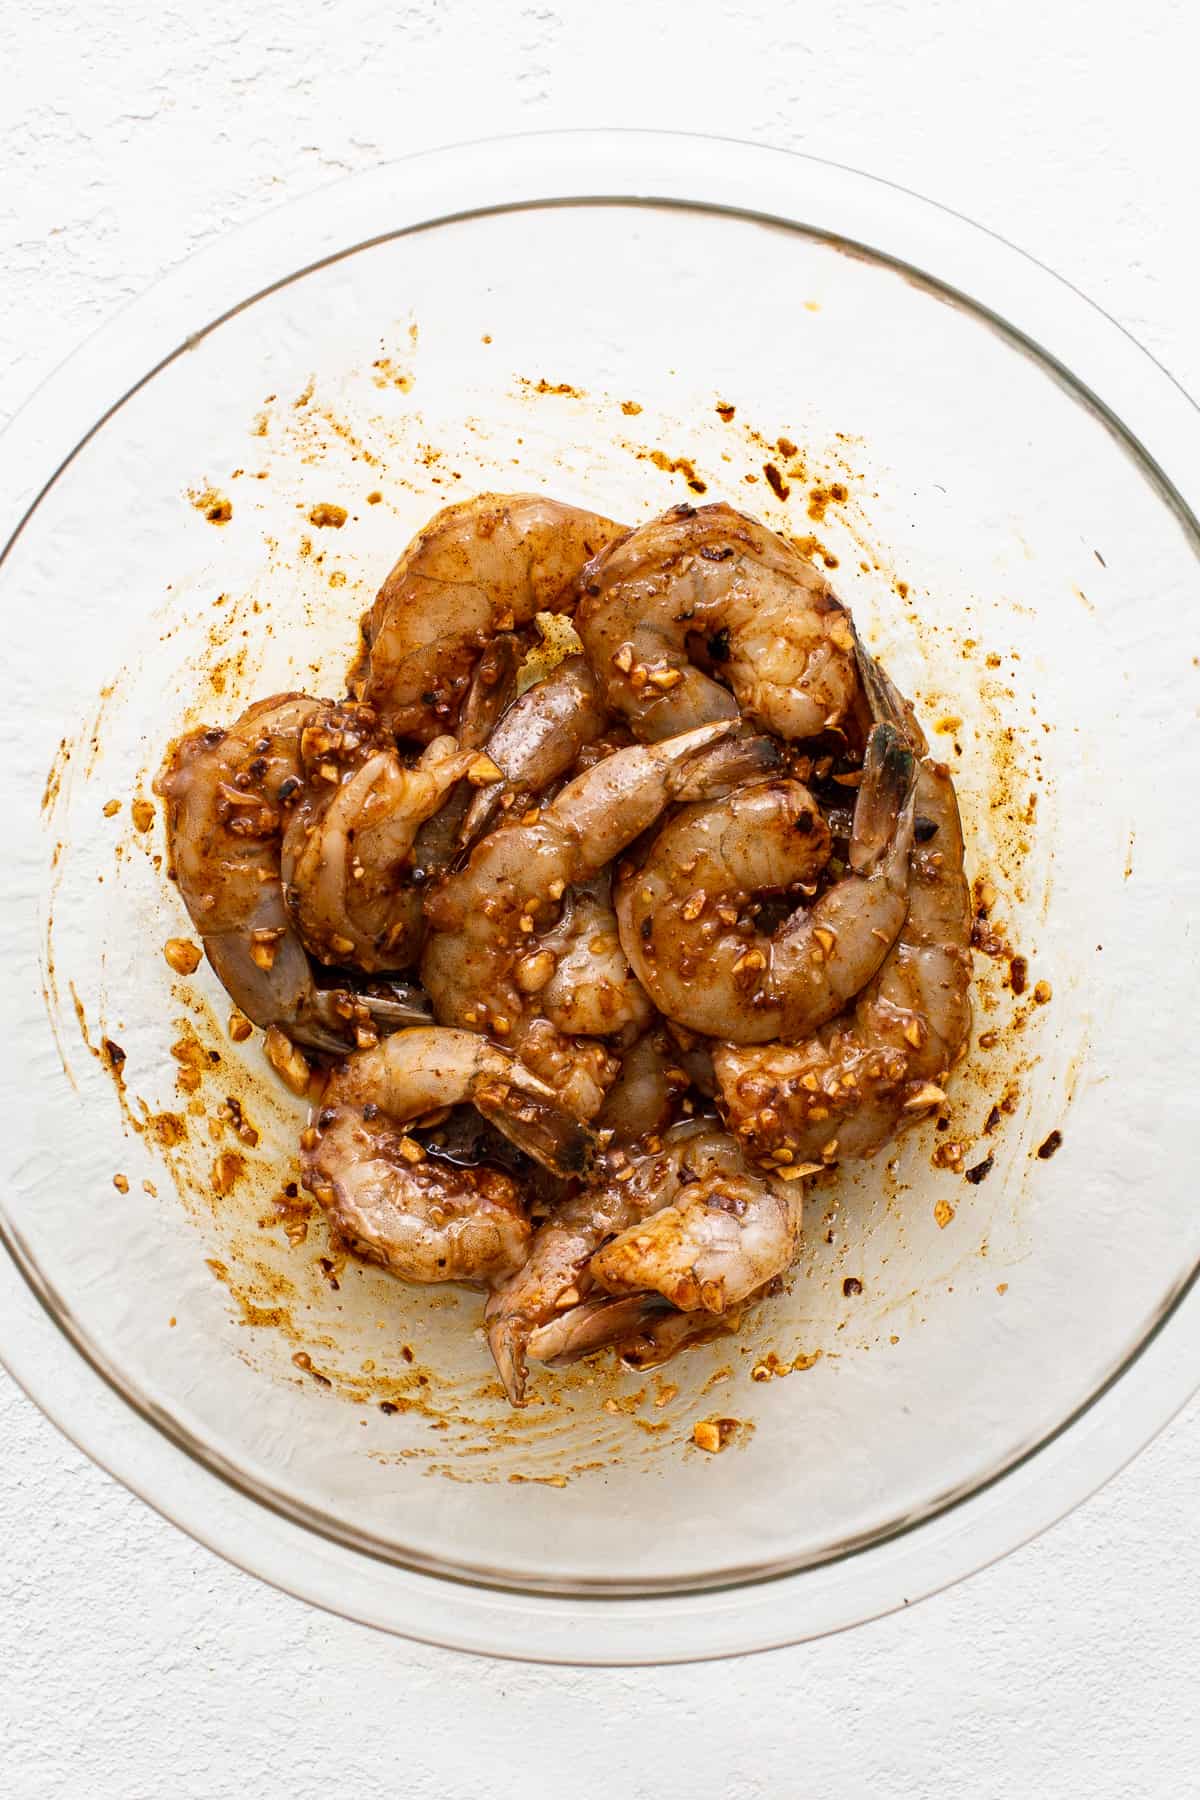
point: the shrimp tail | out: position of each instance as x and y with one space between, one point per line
507 1338
889 776
664 1334
885 702
404 1005
532 1119
491 688
331 1014
733 763
599 1320
882 698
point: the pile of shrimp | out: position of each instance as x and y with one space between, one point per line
586 977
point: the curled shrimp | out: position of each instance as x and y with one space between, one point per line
552 1280
723 1238
712 584
426 1219
348 852
659 1207
687 910
229 795
487 963
485 566
538 739
846 1090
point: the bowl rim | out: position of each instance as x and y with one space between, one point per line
945 252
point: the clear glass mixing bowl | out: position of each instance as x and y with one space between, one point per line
995 477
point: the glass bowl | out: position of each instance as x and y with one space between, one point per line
988 1319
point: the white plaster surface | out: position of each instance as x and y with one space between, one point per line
133 1663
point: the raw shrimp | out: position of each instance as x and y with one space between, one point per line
229 794
847 1090
684 908
689 1215
425 1219
486 965
713 584
538 739
487 565
552 1280
347 859
724 1237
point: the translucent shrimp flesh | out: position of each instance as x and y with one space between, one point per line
845 1091
487 963
427 1219
686 1224
704 612
538 740
348 853
486 566
229 795
688 908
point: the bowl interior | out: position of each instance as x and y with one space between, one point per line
1012 559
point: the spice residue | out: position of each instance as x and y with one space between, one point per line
542 386
820 499
56 775
217 508
675 465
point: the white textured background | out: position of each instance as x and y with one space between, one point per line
133 1663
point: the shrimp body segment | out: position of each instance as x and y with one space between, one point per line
426 1220
642 1100
552 1279
486 566
711 586
593 991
